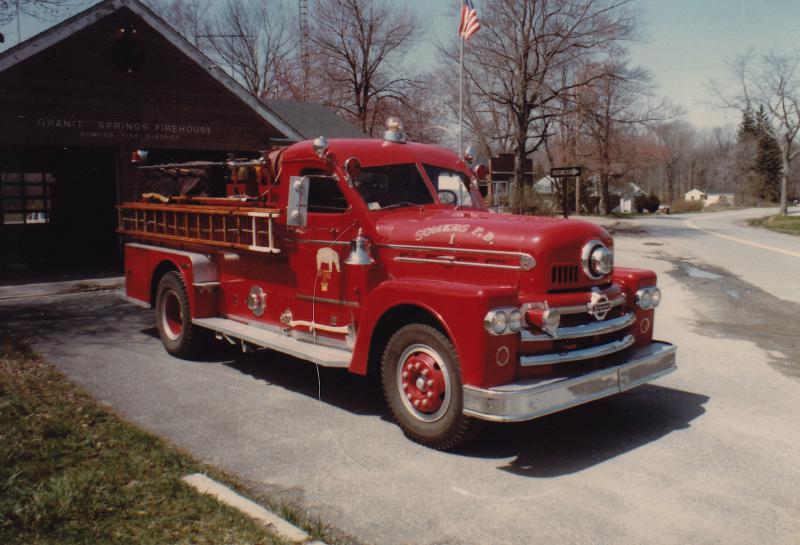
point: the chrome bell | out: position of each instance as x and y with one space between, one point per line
359 251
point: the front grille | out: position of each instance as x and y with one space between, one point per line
569 320
564 275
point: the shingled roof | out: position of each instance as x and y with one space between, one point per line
312 120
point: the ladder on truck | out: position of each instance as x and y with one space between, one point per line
242 228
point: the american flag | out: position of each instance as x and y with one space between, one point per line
469 20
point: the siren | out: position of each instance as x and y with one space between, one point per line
394 131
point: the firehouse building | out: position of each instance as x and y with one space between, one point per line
76 103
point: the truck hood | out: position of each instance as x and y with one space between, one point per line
544 238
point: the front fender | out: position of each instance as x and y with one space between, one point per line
458 307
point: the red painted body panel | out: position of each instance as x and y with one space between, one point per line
631 280
454 264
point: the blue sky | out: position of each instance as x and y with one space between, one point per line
685 42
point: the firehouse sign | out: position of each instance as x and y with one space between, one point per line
125 129
565 172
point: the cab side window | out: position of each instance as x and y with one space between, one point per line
324 195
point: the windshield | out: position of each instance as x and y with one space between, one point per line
392 185
444 179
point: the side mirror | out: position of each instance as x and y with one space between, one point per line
297 209
352 167
448 196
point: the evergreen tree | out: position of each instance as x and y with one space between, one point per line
768 163
748 127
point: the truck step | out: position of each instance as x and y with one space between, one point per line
323 355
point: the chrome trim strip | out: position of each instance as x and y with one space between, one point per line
413 247
580 309
206 284
463 263
584 330
577 355
325 300
526 400
322 242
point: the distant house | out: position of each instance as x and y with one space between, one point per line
708 199
627 197
545 186
695 195
720 199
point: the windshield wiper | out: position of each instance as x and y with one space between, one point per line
401 204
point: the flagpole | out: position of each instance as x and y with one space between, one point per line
461 100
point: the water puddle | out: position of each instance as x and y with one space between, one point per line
730 308
697 272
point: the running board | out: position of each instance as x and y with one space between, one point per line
322 355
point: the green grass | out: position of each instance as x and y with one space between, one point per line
71 472
781 224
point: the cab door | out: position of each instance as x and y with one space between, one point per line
325 290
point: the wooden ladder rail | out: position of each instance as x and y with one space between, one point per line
131 224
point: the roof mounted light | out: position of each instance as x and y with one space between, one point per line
320 146
394 131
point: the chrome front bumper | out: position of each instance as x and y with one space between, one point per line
531 399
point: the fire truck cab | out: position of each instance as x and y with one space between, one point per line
379 256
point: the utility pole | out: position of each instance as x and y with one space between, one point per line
304 58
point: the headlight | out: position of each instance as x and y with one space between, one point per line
601 261
647 298
514 321
502 321
495 322
597 260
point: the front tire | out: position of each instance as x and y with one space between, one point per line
180 337
422 385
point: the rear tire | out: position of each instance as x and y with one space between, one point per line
181 338
422 385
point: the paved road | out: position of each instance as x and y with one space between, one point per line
707 455
765 258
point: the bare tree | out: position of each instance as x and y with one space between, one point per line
38 9
189 17
527 54
254 38
771 80
677 139
359 47
611 109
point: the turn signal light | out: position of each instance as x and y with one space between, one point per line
544 319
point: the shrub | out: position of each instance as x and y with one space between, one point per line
651 204
686 206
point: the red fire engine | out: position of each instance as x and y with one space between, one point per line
379 256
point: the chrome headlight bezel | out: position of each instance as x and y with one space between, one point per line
648 298
597 260
503 321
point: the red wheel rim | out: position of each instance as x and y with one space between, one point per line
172 318
423 382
